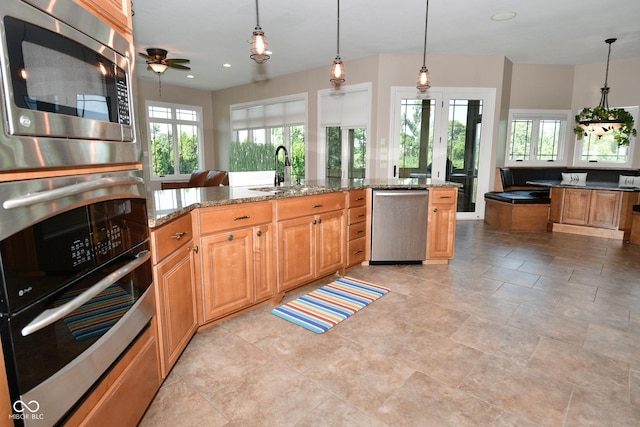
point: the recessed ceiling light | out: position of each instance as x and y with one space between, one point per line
226 65
503 16
191 76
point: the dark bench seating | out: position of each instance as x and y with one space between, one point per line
518 206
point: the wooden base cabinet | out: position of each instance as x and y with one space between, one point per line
357 227
237 265
174 277
311 238
441 228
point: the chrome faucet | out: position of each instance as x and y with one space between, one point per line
287 164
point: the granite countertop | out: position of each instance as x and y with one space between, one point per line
165 205
590 185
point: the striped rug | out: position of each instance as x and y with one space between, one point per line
329 305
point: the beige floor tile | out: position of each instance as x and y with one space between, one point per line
496 339
564 287
618 345
591 409
528 296
634 387
516 277
335 412
549 324
526 392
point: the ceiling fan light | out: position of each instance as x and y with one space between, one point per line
158 68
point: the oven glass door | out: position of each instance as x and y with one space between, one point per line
60 77
48 335
60 249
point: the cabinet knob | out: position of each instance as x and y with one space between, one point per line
435 209
195 249
230 237
315 221
319 220
259 233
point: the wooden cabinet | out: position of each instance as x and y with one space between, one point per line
116 13
576 206
356 226
311 238
593 208
441 228
236 258
173 255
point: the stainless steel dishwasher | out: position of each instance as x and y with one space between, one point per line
399 225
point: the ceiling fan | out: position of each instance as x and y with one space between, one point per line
158 62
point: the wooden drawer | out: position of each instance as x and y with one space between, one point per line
357 198
240 215
356 253
357 230
443 195
357 215
309 205
169 237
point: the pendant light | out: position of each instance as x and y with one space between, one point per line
602 120
259 52
337 69
424 81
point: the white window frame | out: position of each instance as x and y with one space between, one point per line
536 116
577 155
174 122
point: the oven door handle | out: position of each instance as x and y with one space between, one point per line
52 315
69 190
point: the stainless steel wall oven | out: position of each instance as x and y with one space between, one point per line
67 88
75 286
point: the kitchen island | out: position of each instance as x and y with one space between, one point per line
593 208
218 251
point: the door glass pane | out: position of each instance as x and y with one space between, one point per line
463 147
162 149
297 153
334 152
416 137
357 152
188 148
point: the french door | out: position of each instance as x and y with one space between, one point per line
445 135
346 152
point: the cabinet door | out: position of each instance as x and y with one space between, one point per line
265 266
330 236
604 209
575 209
441 231
177 317
116 13
296 252
227 272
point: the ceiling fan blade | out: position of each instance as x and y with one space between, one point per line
178 66
177 60
144 55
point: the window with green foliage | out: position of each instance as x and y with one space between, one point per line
537 136
175 144
258 128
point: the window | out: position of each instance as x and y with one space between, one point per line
174 139
258 128
604 150
537 136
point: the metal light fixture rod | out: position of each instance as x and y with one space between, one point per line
604 98
423 76
337 68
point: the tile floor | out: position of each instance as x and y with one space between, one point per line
534 329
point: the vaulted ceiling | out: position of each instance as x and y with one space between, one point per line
302 33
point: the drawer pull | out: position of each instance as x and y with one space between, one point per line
179 235
360 216
317 206
358 251
236 218
444 197
359 231
359 198
230 237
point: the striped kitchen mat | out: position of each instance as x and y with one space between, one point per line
329 305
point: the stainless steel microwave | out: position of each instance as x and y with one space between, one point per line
67 88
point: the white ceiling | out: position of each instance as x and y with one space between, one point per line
302 33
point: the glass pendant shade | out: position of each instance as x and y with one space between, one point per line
424 81
158 68
337 72
259 46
